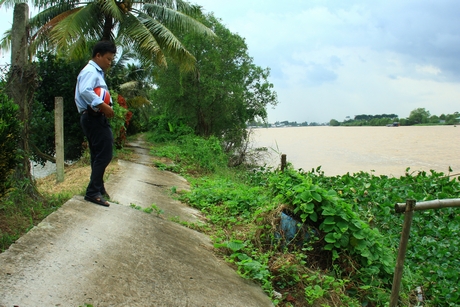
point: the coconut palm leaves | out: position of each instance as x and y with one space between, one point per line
150 27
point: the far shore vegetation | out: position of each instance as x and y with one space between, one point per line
417 117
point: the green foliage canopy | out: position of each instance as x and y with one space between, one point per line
226 93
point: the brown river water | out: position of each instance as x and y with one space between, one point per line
380 150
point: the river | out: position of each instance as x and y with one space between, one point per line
40 171
380 150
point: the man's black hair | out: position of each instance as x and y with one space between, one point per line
102 47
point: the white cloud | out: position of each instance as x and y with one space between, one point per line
332 59
428 69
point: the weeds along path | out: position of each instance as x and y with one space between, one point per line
118 256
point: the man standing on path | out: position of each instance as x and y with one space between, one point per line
94 117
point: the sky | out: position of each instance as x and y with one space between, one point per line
332 59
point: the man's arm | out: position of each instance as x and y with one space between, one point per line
106 109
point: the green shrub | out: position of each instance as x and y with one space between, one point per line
194 153
9 134
165 129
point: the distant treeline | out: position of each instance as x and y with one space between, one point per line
419 116
369 117
285 123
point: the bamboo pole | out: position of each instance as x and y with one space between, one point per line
431 204
410 204
408 208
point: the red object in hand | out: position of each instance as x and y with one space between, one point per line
104 95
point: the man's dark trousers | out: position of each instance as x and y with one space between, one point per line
100 140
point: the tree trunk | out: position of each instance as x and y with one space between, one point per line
21 86
108 25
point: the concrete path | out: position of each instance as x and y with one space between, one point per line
118 256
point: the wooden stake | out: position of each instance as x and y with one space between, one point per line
283 162
410 204
59 137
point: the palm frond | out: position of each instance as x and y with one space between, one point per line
40 36
124 55
177 19
5 42
81 49
179 5
47 15
51 3
43 22
133 32
112 9
169 43
10 3
86 22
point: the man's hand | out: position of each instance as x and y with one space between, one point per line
106 109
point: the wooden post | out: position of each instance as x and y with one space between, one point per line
283 162
59 137
410 204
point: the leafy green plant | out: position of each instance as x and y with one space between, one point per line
434 234
343 229
134 206
118 121
9 134
247 266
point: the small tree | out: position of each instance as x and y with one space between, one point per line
334 122
226 93
419 116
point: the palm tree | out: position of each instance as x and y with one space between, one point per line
147 27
